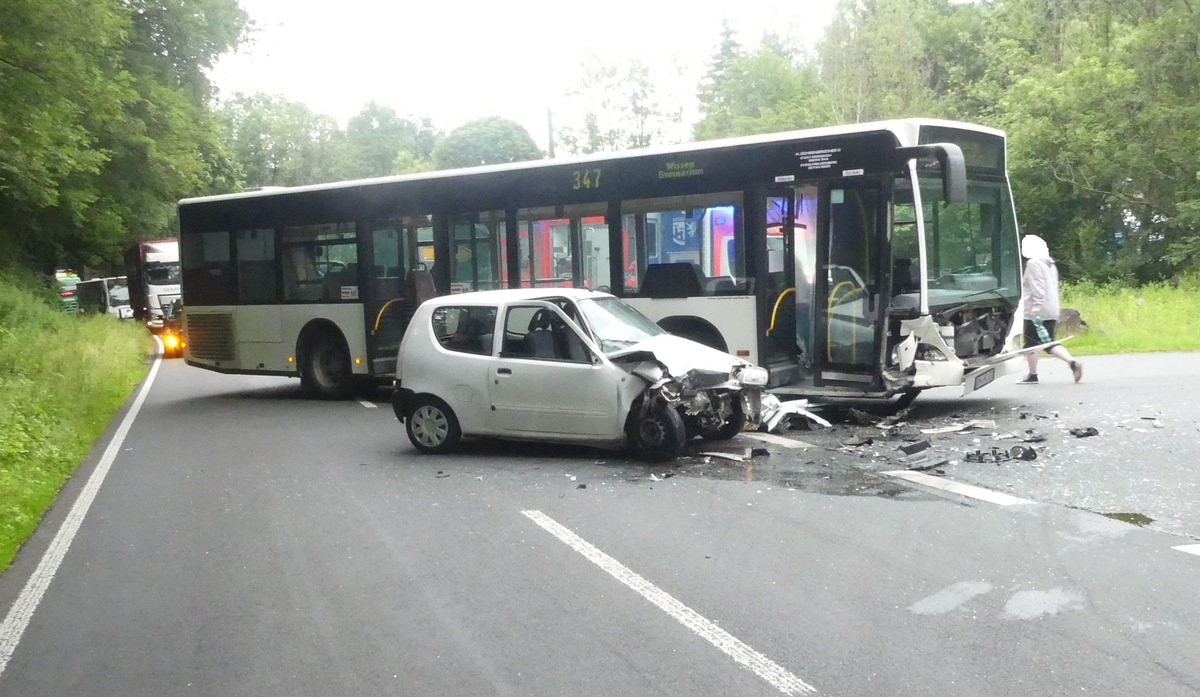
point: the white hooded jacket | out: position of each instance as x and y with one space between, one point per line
1039 285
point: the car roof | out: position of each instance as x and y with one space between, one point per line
510 295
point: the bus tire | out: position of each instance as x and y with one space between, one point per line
326 372
660 434
731 426
432 426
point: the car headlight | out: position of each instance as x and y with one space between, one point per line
754 376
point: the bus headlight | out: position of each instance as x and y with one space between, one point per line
754 376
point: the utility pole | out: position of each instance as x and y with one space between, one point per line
550 130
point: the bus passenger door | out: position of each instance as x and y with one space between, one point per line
394 250
847 302
782 350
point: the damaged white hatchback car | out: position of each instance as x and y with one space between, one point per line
566 365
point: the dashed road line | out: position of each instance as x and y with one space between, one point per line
953 487
27 602
1190 549
765 668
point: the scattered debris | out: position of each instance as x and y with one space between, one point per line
1084 432
917 447
776 415
441 475
935 466
996 455
581 486
1020 452
955 428
760 452
725 456
858 441
779 440
655 478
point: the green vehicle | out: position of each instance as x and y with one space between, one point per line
66 281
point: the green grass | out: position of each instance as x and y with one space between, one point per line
62 377
1131 320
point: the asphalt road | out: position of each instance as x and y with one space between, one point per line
246 541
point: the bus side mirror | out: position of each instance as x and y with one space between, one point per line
950 159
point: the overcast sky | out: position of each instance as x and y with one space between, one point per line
457 61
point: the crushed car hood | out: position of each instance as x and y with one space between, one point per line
678 355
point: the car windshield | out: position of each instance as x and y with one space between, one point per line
616 325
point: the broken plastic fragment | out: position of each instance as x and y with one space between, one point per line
1021 452
917 447
1084 432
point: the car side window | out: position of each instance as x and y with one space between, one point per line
539 333
466 329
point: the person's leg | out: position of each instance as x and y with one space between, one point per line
1061 353
1031 358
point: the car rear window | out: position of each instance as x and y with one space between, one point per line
466 329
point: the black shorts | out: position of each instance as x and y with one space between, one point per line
1031 333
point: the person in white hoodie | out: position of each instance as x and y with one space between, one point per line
1039 293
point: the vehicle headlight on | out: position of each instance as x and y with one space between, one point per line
171 341
753 376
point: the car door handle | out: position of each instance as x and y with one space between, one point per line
503 371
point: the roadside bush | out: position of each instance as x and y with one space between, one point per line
62 377
1157 317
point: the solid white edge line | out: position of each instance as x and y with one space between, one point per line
953 487
1190 549
367 404
22 610
760 665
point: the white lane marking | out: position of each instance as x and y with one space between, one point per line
974 492
367 404
22 610
1190 549
778 440
762 666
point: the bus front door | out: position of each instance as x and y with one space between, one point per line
848 329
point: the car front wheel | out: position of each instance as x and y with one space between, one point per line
660 434
432 426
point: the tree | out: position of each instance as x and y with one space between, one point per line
715 108
486 141
278 142
104 121
620 109
377 136
762 92
872 61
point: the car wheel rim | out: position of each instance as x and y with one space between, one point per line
652 432
430 426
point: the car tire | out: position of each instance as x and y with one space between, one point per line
327 373
432 426
660 434
731 426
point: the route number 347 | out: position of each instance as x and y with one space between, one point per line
586 179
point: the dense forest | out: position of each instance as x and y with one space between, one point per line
107 116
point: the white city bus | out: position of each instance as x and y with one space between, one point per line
867 260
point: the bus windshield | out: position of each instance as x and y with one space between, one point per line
970 247
616 325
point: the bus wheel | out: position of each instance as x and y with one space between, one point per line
731 426
660 435
327 372
432 426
